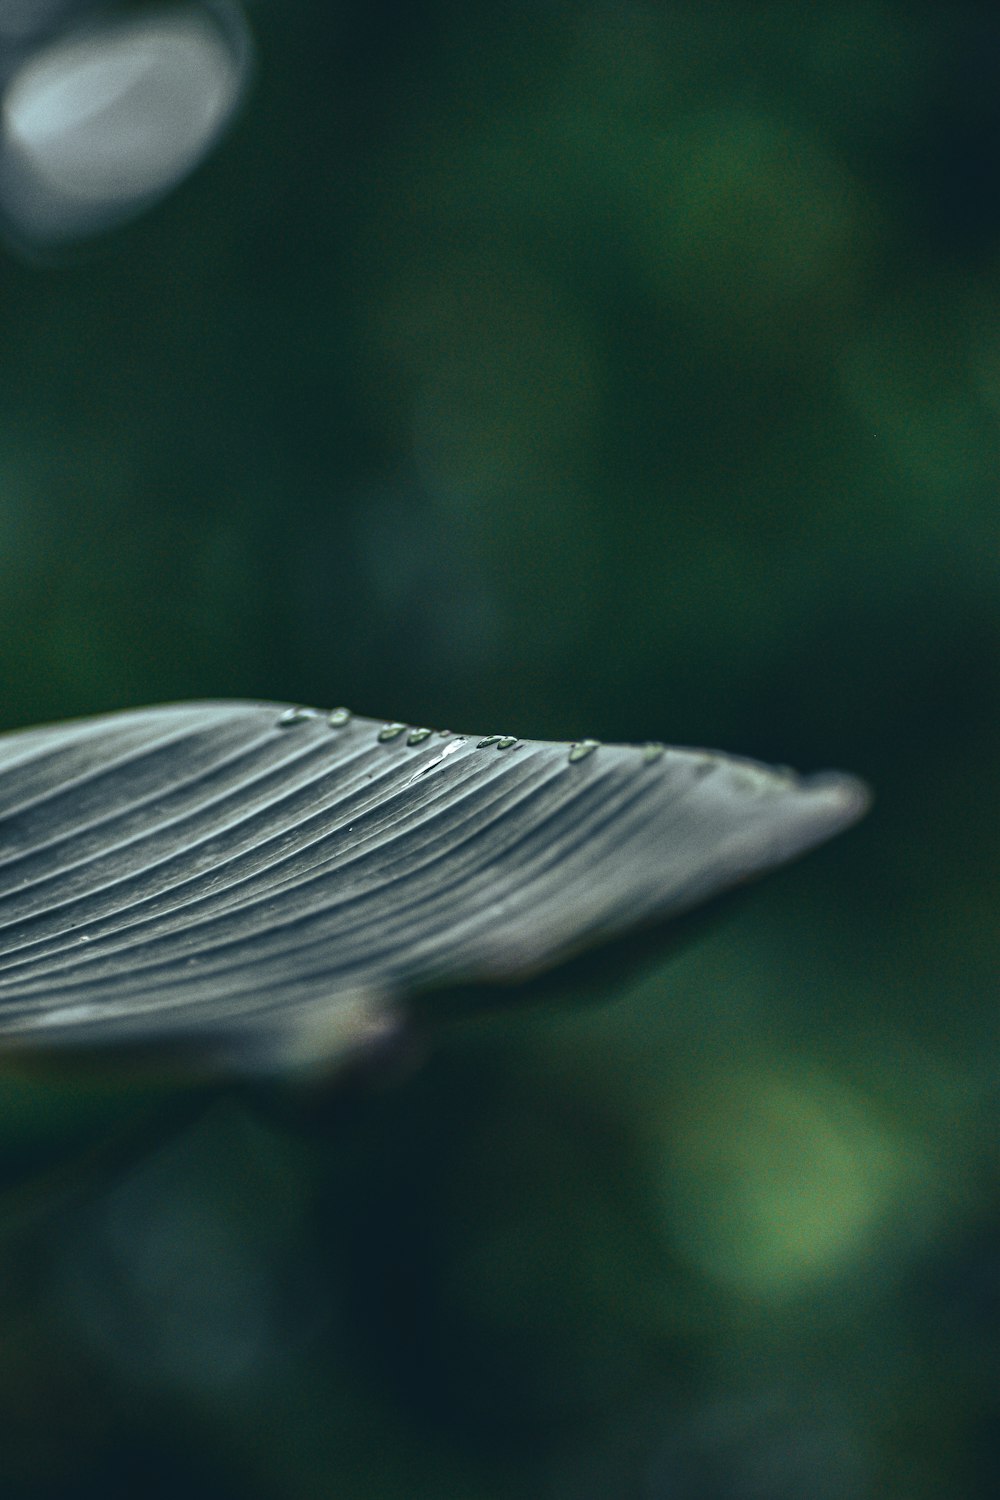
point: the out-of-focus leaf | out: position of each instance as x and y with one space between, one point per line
257 885
102 122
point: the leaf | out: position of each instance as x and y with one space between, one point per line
101 122
257 886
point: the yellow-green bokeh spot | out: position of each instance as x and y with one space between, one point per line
780 1178
749 226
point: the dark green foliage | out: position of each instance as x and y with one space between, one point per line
629 370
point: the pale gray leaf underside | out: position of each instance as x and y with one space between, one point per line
257 885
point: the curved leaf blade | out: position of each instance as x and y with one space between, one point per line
259 884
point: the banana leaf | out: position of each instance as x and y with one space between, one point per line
253 886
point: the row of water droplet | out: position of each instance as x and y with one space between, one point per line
338 717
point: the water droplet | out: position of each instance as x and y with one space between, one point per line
582 749
296 716
491 739
417 736
430 765
508 742
390 732
337 717
652 752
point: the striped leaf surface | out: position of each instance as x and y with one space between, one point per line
258 886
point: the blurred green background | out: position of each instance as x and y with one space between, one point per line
629 370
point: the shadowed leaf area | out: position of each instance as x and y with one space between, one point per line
258 886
